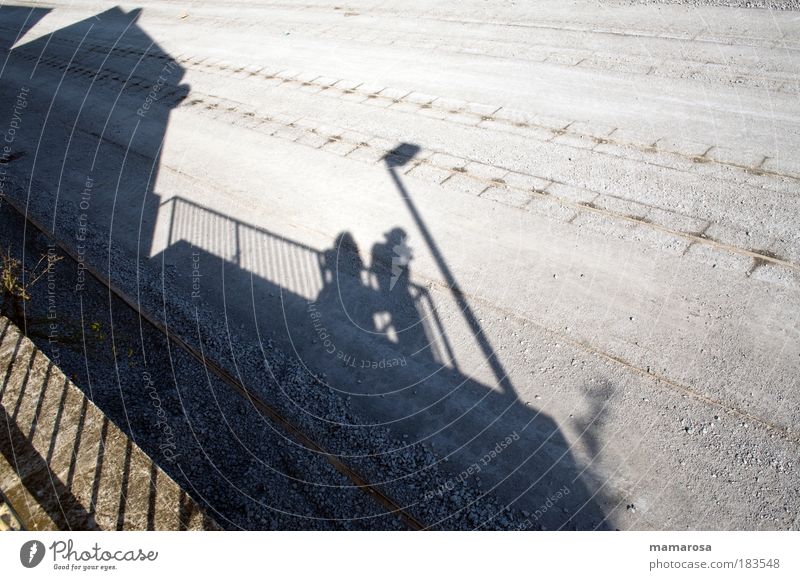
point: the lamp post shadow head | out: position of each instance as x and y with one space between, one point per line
401 155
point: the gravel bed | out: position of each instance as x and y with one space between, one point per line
241 467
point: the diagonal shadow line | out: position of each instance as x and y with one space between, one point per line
184 511
24 385
98 470
62 506
73 463
4 332
152 497
398 157
40 402
123 488
12 359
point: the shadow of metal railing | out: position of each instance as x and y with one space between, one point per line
287 264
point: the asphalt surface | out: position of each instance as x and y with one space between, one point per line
549 251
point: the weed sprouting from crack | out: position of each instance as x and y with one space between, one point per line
18 282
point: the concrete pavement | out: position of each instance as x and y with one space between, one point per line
587 241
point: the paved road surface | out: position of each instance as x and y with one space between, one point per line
557 243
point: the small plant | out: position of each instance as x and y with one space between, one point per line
17 281
97 328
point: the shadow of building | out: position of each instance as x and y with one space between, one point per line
15 22
87 108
